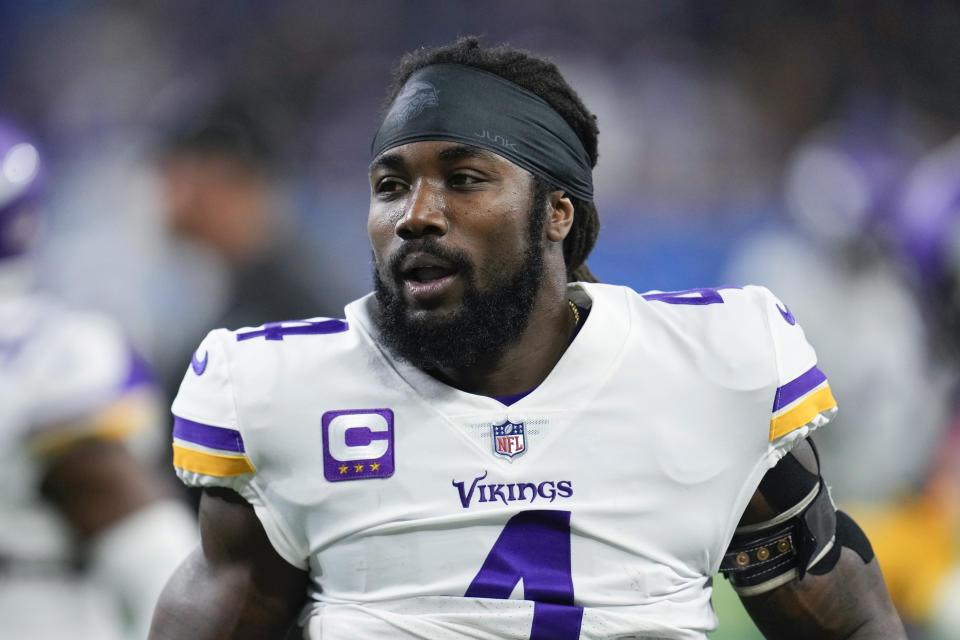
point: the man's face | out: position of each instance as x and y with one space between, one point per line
201 190
457 236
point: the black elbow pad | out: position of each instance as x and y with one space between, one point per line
849 535
768 554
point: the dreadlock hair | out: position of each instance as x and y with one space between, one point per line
541 77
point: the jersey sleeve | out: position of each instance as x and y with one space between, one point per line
803 400
208 448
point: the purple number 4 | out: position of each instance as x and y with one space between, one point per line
276 330
534 546
689 296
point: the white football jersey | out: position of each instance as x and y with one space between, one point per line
597 506
64 376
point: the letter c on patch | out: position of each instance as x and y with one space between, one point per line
358 436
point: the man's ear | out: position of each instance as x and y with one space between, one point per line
560 216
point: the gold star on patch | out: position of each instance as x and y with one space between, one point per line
375 466
343 469
358 468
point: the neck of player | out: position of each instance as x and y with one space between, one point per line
530 359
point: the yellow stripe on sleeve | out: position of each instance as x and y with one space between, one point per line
805 411
210 464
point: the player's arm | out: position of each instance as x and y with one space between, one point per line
133 530
803 569
97 483
235 586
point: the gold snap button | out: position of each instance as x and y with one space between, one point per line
742 559
763 553
783 545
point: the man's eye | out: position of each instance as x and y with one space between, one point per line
464 179
389 185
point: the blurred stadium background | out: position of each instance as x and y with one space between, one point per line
807 146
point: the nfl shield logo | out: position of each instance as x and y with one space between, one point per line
508 439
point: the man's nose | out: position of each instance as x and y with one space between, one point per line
424 214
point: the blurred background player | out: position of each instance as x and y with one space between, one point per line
834 252
219 193
924 229
89 530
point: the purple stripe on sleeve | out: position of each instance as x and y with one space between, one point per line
207 435
797 387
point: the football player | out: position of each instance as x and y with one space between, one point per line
90 532
493 445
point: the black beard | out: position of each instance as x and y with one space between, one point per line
488 321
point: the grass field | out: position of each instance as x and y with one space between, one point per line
735 624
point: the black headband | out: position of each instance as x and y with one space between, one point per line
463 104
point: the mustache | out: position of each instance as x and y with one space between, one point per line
458 259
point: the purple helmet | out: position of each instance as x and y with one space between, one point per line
844 179
20 183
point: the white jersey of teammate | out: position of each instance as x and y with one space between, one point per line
64 376
598 506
